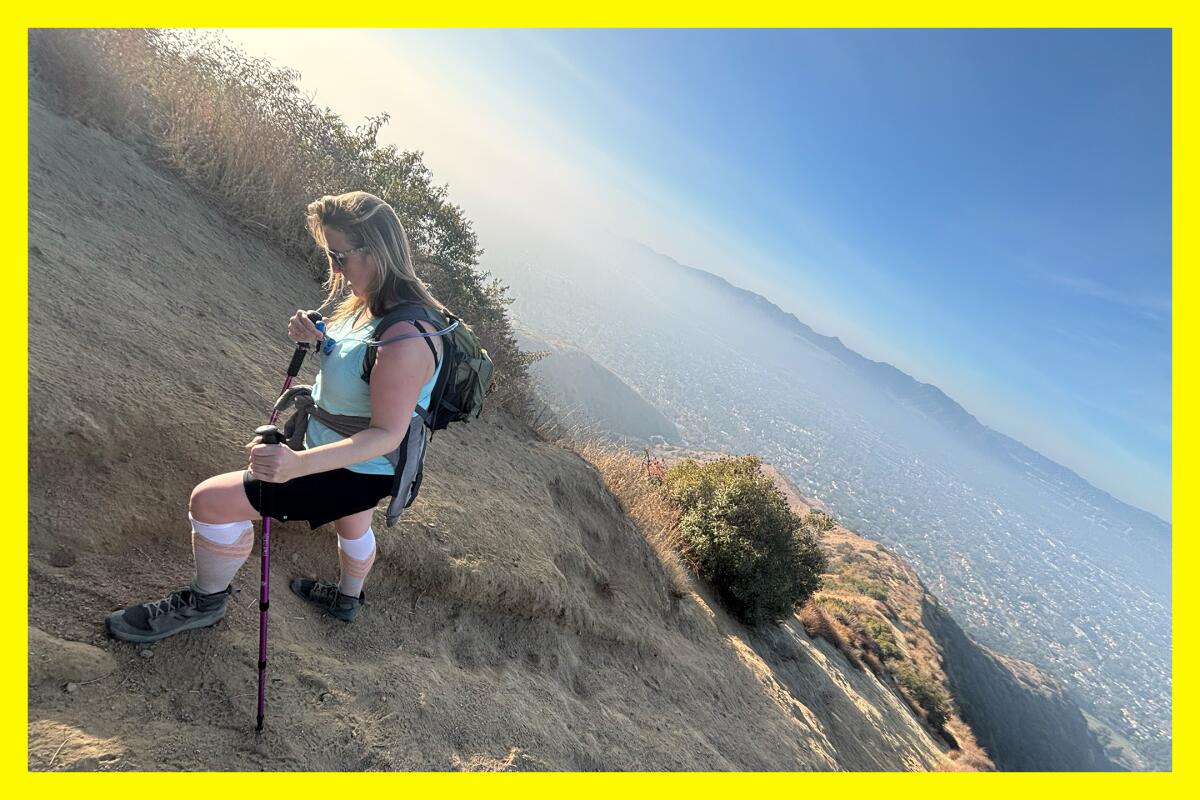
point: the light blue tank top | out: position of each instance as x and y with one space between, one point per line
340 389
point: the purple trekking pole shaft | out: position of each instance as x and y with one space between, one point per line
271 435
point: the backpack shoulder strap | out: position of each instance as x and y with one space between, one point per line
409 312
428 341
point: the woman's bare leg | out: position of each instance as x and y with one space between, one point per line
221 499
355 525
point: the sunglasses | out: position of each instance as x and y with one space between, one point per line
339 257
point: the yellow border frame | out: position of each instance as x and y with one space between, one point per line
672 13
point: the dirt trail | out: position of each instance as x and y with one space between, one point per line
517 619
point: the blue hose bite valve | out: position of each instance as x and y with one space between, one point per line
327 343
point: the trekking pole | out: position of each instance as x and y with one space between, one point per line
297 359
271 435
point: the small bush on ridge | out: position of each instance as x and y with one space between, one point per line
743 538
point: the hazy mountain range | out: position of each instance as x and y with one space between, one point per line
934 404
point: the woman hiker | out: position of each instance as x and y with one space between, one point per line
336 478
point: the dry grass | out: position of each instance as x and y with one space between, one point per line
239 131
624 475
965 761
818 623
655 515
568 428
874 663
844 614
233 126
969 756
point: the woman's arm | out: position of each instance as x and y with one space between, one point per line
401 369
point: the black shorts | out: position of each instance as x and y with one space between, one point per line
317 499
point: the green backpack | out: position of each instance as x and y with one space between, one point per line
457 396
466 367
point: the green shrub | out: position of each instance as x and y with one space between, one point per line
884 637
743 538
819 521
844 610
925 692
871 589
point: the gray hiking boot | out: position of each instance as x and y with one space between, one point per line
327 596
182 610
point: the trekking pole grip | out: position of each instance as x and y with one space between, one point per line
269 433
302 347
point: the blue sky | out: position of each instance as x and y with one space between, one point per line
988 210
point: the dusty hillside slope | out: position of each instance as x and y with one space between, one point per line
517 618
1006 708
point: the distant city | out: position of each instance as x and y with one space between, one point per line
1030 559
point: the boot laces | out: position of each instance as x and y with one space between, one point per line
325 593
180 598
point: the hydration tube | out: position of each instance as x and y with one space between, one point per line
429 335
329 342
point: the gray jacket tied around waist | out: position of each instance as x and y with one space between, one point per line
407 459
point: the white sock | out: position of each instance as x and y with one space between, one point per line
355 556
220 551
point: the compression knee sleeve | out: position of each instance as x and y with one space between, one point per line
220 550
355 556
